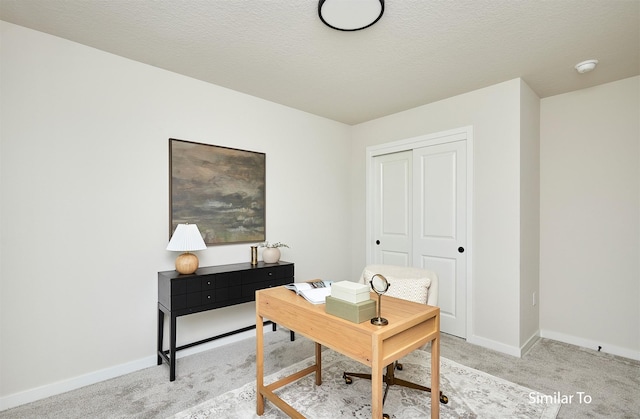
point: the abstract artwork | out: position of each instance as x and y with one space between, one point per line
220 189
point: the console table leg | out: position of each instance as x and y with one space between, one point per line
172 349
160 334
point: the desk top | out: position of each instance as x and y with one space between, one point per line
411 325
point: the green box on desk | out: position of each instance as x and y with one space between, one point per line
354 312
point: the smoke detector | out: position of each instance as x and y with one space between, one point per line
586 66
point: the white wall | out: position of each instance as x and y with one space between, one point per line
84 204
529 215
494 113
590 217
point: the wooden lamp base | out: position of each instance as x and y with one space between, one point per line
187 263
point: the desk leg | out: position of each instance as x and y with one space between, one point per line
172 349
318 364
259 365
435 378
376 381
160 334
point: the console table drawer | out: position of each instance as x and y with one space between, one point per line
174 294
251 288
228 293
178 302
267 275
208 297
221 280
194 299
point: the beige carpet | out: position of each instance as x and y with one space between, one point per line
550 367
471 393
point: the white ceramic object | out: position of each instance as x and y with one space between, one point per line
271 255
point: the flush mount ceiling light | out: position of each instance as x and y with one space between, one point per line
586 66
350 15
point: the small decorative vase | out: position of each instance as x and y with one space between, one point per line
271 255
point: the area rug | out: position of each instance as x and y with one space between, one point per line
471 393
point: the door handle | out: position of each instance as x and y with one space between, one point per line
378 242
460 249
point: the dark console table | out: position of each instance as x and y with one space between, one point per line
210 288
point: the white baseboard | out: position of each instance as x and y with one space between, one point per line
529 343
42 392
496 346
60 387
501 347
587 343
560 337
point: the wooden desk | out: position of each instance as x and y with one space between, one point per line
411 325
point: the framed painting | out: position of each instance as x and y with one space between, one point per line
220 189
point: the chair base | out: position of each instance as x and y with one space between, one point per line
390 379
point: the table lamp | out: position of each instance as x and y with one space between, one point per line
186 238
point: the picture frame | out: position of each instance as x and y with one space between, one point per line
220 189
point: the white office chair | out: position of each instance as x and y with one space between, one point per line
413 284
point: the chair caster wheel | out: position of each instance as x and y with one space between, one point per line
399 367
385 416
347 379
444 399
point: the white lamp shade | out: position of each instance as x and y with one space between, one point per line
186 238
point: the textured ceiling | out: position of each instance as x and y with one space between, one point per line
419 52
